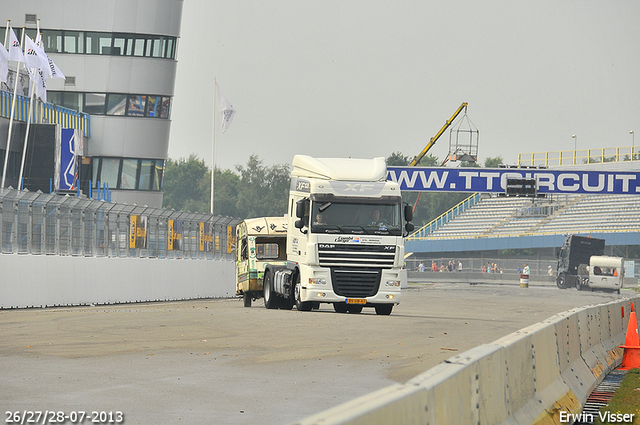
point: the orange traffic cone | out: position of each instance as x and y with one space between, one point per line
631 356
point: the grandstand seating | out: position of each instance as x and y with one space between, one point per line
496 216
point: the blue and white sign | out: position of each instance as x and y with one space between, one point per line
494 180
69 148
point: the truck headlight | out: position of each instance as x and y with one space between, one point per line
392 283
317 281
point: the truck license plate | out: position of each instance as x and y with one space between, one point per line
356 301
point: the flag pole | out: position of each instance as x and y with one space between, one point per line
13 108
26 133
213 142
6 34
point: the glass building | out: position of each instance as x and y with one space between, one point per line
119 59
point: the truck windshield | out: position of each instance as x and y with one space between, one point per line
371 218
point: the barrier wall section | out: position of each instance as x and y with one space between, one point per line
528 377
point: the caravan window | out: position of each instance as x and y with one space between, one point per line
271 248
267 251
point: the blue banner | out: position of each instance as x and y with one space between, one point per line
494 180
68 159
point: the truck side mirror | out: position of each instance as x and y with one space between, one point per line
408 212
300 209
410 227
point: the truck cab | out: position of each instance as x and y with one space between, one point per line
345 235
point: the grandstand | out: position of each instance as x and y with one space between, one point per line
496 216
492 223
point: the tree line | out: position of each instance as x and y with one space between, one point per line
257 190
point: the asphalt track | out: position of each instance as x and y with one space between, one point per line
217 362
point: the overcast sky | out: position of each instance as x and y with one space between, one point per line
366 78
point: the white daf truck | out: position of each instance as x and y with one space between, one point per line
345 238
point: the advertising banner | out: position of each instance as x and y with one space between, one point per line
70 142
494 180
138 232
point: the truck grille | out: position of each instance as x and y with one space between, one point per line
356 255
356 283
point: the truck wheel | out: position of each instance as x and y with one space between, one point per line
384 309
300 305
340 307
270 297
247 299
560 282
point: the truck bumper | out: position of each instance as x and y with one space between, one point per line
316 286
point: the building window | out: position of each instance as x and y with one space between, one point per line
105 43
137 104
117 104
147 169
153 106
158 173
73 42
98 43
133 105
128 173
95 103
52 41
108 172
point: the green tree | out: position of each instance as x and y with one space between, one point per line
493 162
396 159
225 192
185 183
263 191
253 191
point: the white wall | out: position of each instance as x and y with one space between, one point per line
39 280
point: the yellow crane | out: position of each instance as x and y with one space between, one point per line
434 139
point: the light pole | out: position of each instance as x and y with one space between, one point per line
575 148
633 142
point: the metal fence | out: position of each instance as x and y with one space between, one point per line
511 266
50 224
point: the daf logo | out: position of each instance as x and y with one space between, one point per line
326 246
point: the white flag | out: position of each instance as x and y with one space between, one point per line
40 85
35 57
15 51
52 69
4 64
226 108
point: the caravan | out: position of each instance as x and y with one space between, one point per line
605 273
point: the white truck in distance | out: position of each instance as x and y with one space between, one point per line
345 238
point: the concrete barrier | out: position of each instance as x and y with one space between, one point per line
48 281
531 376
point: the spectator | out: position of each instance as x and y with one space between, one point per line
549 271
459 265
525 270
421 267
434 266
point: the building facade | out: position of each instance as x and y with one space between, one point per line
119 58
